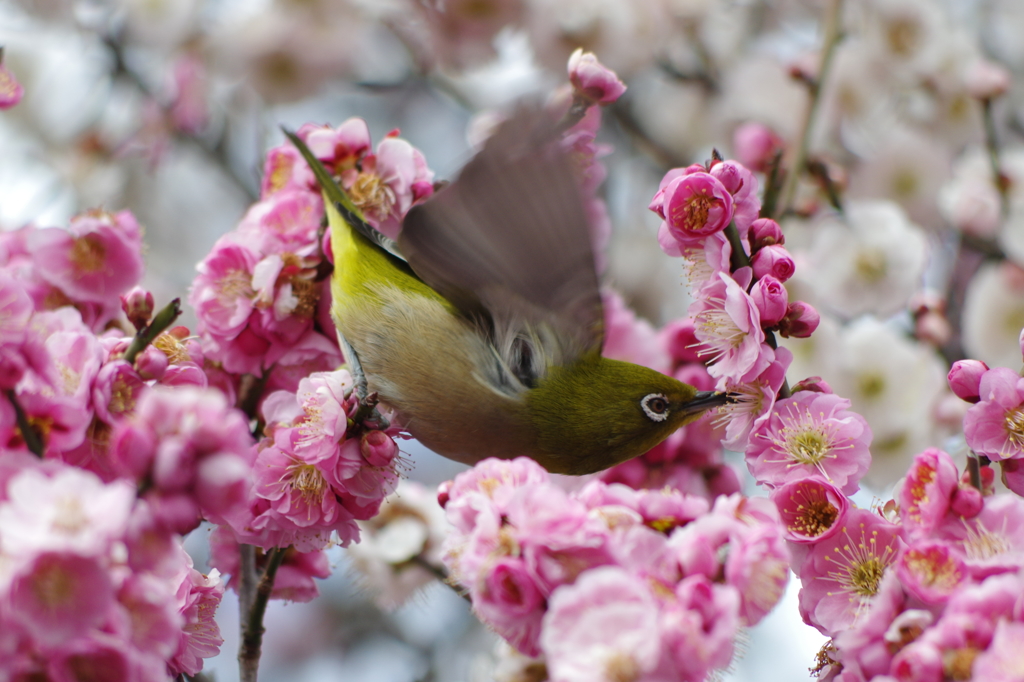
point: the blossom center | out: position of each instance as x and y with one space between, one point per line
809 445
172 348
865 576
122 399
233 285
692 214
371 194
621 667
309 483
1015 425
53 587
871 265
957 664
814 517
88 253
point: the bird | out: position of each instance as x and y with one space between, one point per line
481 325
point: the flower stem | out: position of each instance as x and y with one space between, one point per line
833 33
33 441
974 469
992 147
252 621
163 319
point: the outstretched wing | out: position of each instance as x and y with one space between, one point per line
508 243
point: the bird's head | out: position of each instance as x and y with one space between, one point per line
596 413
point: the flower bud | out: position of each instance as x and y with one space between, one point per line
988 480
151 363
773 260
771 299
378 448
816 384
987 80
755 144
444 494
592 80
138 305
965 379
765 232
967 501
800 321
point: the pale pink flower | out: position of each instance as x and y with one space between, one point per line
294 581
11 91
116 390
508 600
995 426
843 573
58 420
58 596
490 482
752 402
765 232
313 352
758 568
987 80
95 260
602 628
812 510
222 294
68 510
926 492
992 541
918 661
286 222
296 485
811 434
593 80
727 323
151 620
285 169
325 399
699 627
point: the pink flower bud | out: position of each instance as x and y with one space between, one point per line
378 448
151 363
967 501
965 379
773 260
444 494
987 80
800 322
11 91
1013 474
816 384
988 479
593 80
138 305
755 144
771 299
765 232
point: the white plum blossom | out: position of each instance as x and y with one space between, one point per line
994 315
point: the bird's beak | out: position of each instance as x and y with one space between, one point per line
705 400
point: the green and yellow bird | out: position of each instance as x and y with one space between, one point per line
482 326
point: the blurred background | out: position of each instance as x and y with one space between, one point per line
166 108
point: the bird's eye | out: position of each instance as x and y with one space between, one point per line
655 407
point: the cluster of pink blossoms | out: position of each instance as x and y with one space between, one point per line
609 582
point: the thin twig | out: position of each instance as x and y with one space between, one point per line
33 441
833 33
992 147
145 336
252 627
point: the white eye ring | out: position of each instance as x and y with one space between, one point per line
658 411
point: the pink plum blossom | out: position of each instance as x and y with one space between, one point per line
1001 661
842 573
994 427
592 80
771 299
284 169
773 260
811 434
931 571
926 492
602 628
965 379
197 599
96 260
11 91
753 402
286 222
811 509
694 205
727 323
509 601
699 629
755 145
223 294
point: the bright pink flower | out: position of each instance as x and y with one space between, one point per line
312 353
507 599
297 487
60 422
773 260
993 541
695 206
811 509
865 648
57 597
755 145
602 628
918 662
116 390
339 148
1013 475
995 426
197 599
765 232
11 91
758 568
294 581
742 185
147 603
771 299
965 379
96 260
727 323
286 222
811 434
378 449
679 338
926 492
931 571
285 169
593 80
222 294
842 573
325 399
